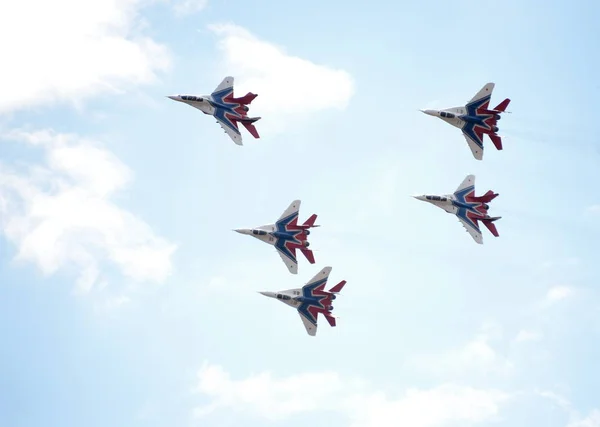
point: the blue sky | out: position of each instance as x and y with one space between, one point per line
126 299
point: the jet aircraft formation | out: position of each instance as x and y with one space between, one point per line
475 119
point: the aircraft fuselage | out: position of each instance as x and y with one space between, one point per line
459 117
208 105
269 234
294 298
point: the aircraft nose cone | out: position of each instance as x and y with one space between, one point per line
173 97
422 198
429 112
242 230
267 294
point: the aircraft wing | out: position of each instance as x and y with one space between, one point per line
474 232
475 144
311 327
485 92
292 209
226 84
318 282
230 130
290 263
467 183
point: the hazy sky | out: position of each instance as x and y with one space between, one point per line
127 300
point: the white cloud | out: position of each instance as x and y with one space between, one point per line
525 336
273 398
70 50
187 7
594 209
60 215
593 420
477 356
558 293
287 85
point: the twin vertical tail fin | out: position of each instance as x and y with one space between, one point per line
336 289
500 108
489 223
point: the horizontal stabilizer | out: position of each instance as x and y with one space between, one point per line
310 222
486 198
330 318
502 106
250 127
246 99
489 223
337 288
309 255
497 140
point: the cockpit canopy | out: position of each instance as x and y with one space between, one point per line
284 297
447 115
437 198
192 98
259 232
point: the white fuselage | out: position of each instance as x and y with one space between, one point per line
443 202
262 233
287 297
449 115
202 103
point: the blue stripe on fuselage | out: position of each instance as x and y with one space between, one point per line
283 236
310 300
472 119
221 107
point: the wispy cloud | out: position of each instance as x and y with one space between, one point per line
60 215
528 336
98 46
287 85
558 293
592 420
477 356
265 396
188 7
594 209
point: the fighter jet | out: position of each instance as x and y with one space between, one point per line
467 207
475 119
225 108
287 236
311 299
